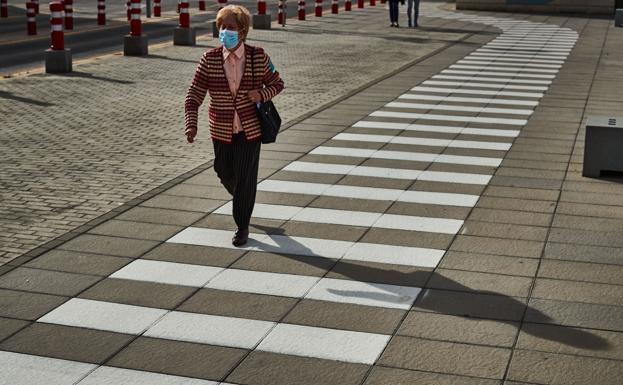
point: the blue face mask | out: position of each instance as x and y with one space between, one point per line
228 38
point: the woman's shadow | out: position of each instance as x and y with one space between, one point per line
447 296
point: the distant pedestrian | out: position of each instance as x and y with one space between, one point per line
393 12
236 75
413 8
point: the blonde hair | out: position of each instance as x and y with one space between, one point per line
242 15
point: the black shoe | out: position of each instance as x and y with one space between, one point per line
391 25
240 237
397 26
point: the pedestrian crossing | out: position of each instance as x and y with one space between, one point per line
437 145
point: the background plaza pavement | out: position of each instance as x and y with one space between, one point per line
421 220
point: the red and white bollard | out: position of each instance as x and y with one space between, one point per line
135 21
31 19
36 6
128 9
301 9
334 6
69 14
318 8
348 4
360 4
261 7
101 12
56 21
372 3
202 5
261 20
382 1
57 58
281 16
4 8
184 14
222 4
157 9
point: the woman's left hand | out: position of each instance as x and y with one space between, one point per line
255 96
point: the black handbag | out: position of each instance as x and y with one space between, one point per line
267 114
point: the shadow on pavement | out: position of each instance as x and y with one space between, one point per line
150 56
428 300
11 96
85 75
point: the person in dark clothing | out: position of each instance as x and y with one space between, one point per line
393 12
413 8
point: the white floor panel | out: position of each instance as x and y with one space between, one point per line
458 99
445 90
396 255
26 369
167 272
487 72
492 79
329 344
501 146
450 118
435 128
364 293
259 282
484 85
211 329
100 315
490 66
446 107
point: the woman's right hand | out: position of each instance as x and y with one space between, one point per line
190 134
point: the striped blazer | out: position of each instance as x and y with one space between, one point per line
210 78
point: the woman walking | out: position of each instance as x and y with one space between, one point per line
236 76
393 12
413 9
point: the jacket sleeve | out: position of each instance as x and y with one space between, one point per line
196 93
272 81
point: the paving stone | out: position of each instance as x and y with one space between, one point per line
574 341
196 255
78 262
380 272
284 263
137 230
172 202
261 368
580 271
587 223
434 211
559 369
590 210
445 357
309 177
382 376
529 205
344 316
355 180
178 358
115 246
407 238
586 237
526 182
161 216
575 314
9 326
480 282
350 204
324 231
575 291
27 306
138 293
198 191
489 263
510 216
472 304
45 281
68 343
443 187
238 304
283 198
459 329
510 231
584 253
498 246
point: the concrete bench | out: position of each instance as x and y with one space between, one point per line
603 146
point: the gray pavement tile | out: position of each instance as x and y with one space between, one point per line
530 173
498 246
587 292
575 314
313 158
538 183
473 152
592 198
590 186
283 198
344 316
277 164
567 340
587 223
447 167
198 191
261 368
586 237
136 230
514 153
196 255
445 357
504 230
45 281
489 263
581 271
139 293
434 211
560 369
65 342
381 273
226 222
526 205
78 262
584 253
205 178
115 246
470 281
452 328
9 326
471 304
161 216
383 376
183 203
396 163
238 304
324 231
411 148
178 358
27 306
351 204
444 187
407 238
284 264
310 177
354 180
